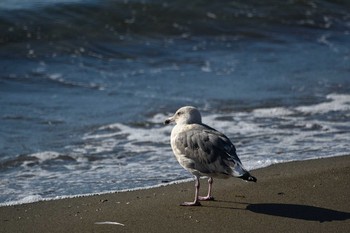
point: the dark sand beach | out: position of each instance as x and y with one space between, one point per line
307 196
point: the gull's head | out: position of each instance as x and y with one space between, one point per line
185 115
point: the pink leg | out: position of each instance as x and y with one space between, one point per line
209 197
195 202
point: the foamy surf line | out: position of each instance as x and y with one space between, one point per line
37 198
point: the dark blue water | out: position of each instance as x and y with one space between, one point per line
85 86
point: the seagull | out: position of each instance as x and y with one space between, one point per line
203 151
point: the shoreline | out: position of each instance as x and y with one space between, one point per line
18 202
300 196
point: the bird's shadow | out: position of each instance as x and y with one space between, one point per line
296 211
304 212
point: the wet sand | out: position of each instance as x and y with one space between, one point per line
307 196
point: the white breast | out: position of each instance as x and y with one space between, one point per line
183 161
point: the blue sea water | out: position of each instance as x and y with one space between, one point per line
86 85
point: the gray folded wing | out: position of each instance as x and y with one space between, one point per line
211 151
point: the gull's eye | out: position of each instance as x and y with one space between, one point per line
179 113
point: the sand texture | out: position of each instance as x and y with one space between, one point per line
307 196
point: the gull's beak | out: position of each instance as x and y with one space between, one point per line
168 121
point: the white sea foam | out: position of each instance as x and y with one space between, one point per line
337 103
45 155
24 200
272 112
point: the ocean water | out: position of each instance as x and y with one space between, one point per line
86 85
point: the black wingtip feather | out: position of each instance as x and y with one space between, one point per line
248 177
